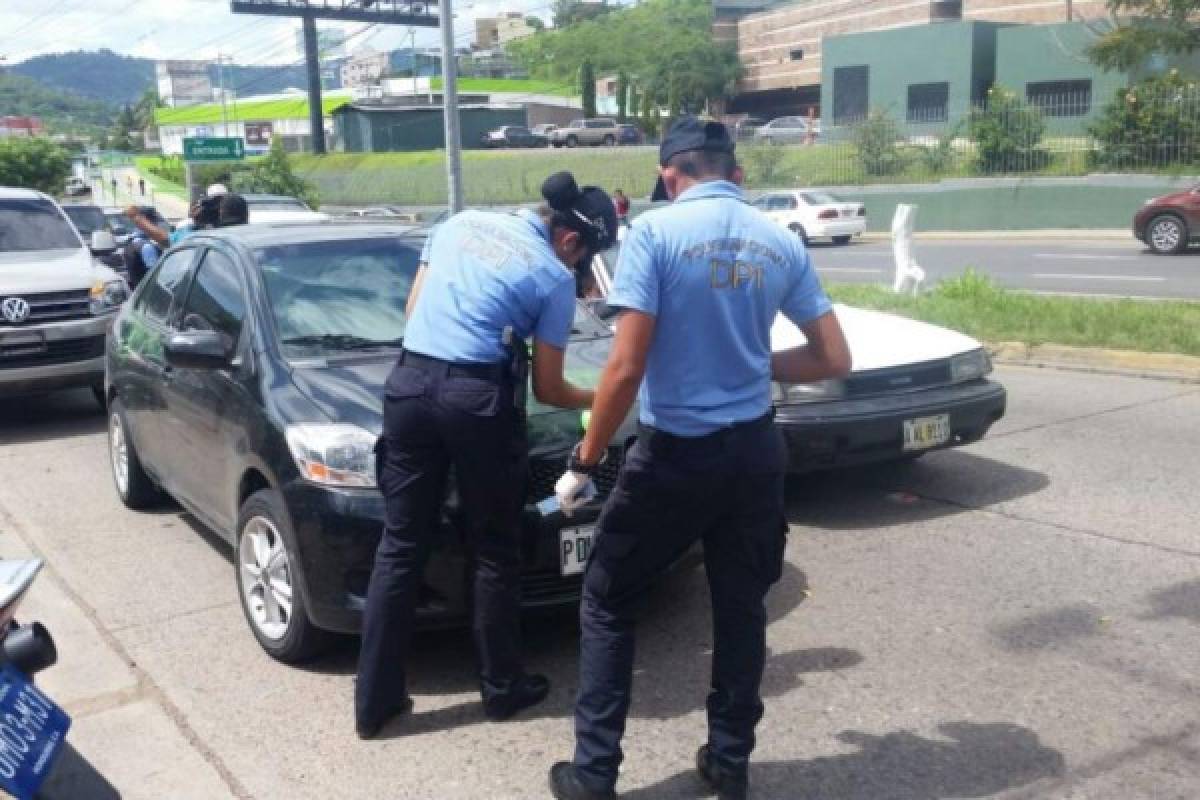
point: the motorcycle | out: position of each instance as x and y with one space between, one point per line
33 729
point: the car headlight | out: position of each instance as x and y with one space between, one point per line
333 454
107 296
970 366
820 391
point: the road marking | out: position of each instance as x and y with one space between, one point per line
1085 257
858 270
1072 276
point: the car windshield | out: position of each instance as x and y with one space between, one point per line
820 198
117 221
87 219
34 224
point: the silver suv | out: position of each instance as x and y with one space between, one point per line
56 301
586 131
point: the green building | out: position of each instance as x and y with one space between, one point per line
362 128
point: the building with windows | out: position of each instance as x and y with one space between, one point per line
183 83
496 32
365 68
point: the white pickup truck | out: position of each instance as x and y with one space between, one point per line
56 301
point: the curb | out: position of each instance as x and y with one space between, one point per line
1160 366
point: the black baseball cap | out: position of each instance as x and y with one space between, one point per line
232 210
687 134
588 211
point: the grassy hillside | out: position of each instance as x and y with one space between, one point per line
60 111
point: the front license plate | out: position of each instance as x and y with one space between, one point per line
574 544
925 432
32 732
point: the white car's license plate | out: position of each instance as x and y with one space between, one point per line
925 432
574 544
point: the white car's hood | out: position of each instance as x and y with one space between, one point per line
878 340
39 271
258 217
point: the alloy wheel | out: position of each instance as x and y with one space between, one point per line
1165 234
118 450
266 577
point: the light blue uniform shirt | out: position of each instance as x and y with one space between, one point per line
714 272
489 271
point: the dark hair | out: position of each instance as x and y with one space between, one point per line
704 164
207 212
233 210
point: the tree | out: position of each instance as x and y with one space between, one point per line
1007 134
587 81
274 175
1148 27
572 12
1153 124
33 163
876 140
622 96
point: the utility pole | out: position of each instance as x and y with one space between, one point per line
450 108
316 119
221 89
1070 11
412 52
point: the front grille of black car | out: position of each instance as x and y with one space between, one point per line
549 588
53 307
899 379
545 472
60 351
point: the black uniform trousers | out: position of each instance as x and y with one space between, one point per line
725 490
439 415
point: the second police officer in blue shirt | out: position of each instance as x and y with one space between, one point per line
699 284
456 399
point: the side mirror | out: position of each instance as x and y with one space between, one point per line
103 242
199 350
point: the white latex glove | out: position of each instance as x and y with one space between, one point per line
573 490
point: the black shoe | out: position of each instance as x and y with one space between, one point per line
727 785
565 785
526 691
369 729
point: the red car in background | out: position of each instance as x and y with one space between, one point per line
1169 223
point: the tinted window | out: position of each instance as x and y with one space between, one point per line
927 102
215 301
87 219
1060 98
34 224
781 202
850 87
517 132
352 289
161 288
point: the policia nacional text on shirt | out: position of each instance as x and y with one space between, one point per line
456 399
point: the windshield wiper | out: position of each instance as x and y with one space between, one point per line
341 341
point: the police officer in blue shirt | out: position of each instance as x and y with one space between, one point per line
699 284
456 399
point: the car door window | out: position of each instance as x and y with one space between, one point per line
215 301
164 286
777 203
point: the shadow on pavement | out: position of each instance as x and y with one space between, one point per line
938 485
55 416
1179 600
979 760
73 778
1050 629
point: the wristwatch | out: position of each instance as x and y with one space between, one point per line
574 464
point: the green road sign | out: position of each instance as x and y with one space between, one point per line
214 149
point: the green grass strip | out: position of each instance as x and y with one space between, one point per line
973 304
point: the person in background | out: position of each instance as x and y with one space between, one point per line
622 204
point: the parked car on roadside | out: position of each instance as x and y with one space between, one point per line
599 131
511 136
544 130
744 128
914 388
786 130
280 208
629 135
814 214
76 186
245 379
56 300
1168 224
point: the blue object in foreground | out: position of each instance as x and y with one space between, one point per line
32 732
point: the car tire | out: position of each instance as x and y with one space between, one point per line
841 240
798 229
610 140
135 488
98 393
276 607
572 141
1166 234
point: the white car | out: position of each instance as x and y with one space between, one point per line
914 388
814 214
280 208
787 130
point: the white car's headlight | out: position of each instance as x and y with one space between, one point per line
106 296
786 393
970 366
333 454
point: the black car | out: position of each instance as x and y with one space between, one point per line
629 135
245 379
512 136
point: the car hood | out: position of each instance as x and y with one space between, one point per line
351 390
878 340
32 272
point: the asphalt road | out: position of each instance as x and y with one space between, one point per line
1017 619
1106 267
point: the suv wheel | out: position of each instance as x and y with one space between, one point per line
841 239
610 140
1166 233
134 486
272 598
572 141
